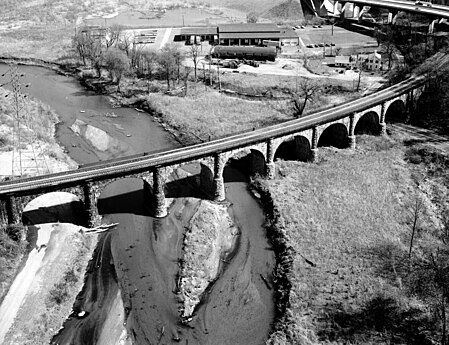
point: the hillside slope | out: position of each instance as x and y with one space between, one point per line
290 10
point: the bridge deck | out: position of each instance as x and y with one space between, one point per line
135 164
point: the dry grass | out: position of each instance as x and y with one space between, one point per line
349 217
215 115
38 121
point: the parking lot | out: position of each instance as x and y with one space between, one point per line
313 37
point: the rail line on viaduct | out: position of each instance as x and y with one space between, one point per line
298 139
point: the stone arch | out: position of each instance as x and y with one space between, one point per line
124 195
396 112
249 161
335 135
296 148
54 207
368 123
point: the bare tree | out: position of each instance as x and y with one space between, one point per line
80 44
194 55
113 35
386 39
307 90
146 63
117 63
185 72
252 17
93 50
125 42
168 62
416 210
179 57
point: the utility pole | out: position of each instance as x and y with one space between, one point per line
18 103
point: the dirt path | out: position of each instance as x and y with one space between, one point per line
422 135
21 285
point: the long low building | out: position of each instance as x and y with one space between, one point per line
240 34
195 34
255 34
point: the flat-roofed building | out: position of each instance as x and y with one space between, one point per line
197 34
255 34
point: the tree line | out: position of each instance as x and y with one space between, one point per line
114 50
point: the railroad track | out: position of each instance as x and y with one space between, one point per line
127 165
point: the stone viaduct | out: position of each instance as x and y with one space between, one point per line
298 139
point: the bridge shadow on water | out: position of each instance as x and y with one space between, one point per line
131 196
186 187
133 202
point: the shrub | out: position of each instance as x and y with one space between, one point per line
15 231
58 294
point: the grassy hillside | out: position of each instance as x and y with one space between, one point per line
289 10
349 218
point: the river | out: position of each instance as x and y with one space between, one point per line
140 258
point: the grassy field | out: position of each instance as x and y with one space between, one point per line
213 114
349 218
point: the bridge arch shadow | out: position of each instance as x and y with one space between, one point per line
54 207
188 180
126 195
335 135
396 112
369 124
247 163
295 149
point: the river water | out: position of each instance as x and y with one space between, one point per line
141 256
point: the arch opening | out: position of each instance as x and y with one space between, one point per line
54 207
188 180
244 165
126 195
295 149
396 112
335 135
369 124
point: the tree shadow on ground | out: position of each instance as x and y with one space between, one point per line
382 320
388 317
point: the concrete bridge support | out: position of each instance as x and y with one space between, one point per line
219 164
392 16
432 26
356 12
159 202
